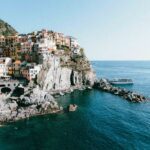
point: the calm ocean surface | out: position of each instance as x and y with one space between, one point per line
102 121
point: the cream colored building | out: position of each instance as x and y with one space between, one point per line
33 72
5 62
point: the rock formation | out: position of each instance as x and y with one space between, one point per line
59 75
34 102
104 85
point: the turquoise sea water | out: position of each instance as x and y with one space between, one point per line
102 121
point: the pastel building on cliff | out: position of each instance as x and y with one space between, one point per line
62 41
67 42
59 37
11 40
26 47
33 72
30 71
46 44
5 63
74 45
34 48
22 38
16 68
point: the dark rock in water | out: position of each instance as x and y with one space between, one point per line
104 85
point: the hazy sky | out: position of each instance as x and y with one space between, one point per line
107 29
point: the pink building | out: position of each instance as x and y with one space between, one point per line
26 47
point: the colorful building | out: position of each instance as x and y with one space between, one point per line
5 63
16 68
33 72
33 48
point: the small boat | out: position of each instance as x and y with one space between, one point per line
72 107
89 88
121 82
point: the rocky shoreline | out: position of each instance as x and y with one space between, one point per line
54 80
61 69
33 102
38 97
36 102
103 84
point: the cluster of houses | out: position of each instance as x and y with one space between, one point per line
22 55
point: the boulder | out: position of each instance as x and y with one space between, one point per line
72 107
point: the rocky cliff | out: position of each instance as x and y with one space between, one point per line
61 72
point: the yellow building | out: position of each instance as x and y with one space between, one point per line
10 71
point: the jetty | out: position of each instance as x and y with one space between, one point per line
105 85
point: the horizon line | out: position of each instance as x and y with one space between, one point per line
121 60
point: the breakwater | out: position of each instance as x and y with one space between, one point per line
103 84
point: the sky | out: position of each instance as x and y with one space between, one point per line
106 29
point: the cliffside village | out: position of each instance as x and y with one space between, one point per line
21 56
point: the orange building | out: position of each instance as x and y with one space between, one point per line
22 38
16 68
11 40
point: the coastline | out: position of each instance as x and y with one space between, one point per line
44 111
109 89
35 115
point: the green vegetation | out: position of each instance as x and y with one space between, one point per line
6 29
82 52
63 47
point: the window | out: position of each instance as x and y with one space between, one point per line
2 85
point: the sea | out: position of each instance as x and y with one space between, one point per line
101 122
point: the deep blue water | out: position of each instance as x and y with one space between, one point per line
102 121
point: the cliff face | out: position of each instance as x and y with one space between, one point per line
61 72
6 29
